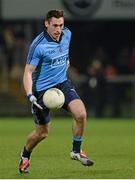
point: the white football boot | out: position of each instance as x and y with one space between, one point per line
82 157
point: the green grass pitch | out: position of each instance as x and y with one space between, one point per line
109 142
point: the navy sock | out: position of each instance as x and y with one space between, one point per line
77 141
26 153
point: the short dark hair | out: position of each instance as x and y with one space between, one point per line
54 13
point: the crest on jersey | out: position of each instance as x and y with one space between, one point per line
82 8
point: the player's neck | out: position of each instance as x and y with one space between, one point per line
55 39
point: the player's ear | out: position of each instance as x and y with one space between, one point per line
46 24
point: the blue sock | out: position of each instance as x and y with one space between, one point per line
77 141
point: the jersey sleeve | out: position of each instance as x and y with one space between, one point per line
34 55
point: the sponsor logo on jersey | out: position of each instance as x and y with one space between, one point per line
59 61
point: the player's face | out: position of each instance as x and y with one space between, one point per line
54 27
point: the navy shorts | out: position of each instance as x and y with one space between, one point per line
43 116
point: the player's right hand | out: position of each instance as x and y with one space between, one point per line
33 100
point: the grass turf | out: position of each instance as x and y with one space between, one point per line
109 142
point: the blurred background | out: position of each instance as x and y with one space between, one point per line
102 53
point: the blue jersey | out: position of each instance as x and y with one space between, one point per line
50 59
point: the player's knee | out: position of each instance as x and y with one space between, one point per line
81 116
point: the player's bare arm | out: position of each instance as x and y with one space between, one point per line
27 78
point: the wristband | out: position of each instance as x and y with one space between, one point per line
29 95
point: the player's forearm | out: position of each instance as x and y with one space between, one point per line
27 82
27 79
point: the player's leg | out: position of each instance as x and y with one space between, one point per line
74 104
42 121
40 133
78 111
